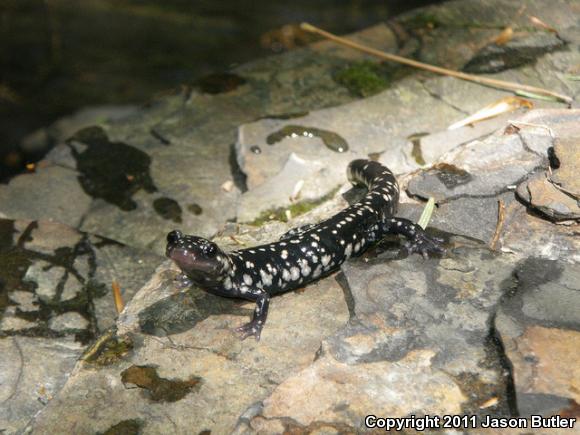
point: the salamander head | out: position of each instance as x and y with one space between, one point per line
201 260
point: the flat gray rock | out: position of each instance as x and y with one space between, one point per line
52 191
539 324
367 127
418 329
481 168
193 331
32 372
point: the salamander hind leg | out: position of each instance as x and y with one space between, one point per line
254 327
417 239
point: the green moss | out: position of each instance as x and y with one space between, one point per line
364 78
417 152
108 349
296 209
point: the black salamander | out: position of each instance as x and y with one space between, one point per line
303 254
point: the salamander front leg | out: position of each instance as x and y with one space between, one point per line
182 281
259 318
417 239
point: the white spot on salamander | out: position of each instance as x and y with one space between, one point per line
284 254
294 273
247 279
325 260
317 272
348 250
266 278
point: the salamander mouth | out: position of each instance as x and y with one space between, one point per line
191 263
174 252
181 256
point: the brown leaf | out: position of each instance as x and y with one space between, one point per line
119 304
537 22
490 402
504 37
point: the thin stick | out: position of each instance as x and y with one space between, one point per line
236 241
501 84
499 226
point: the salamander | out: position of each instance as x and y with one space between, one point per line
303 254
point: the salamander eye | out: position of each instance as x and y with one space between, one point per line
210 249
174 236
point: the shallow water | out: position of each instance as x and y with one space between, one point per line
57 56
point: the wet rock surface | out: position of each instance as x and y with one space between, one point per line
55 298
490 328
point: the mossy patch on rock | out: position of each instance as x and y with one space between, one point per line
296 209
364 78
108 349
